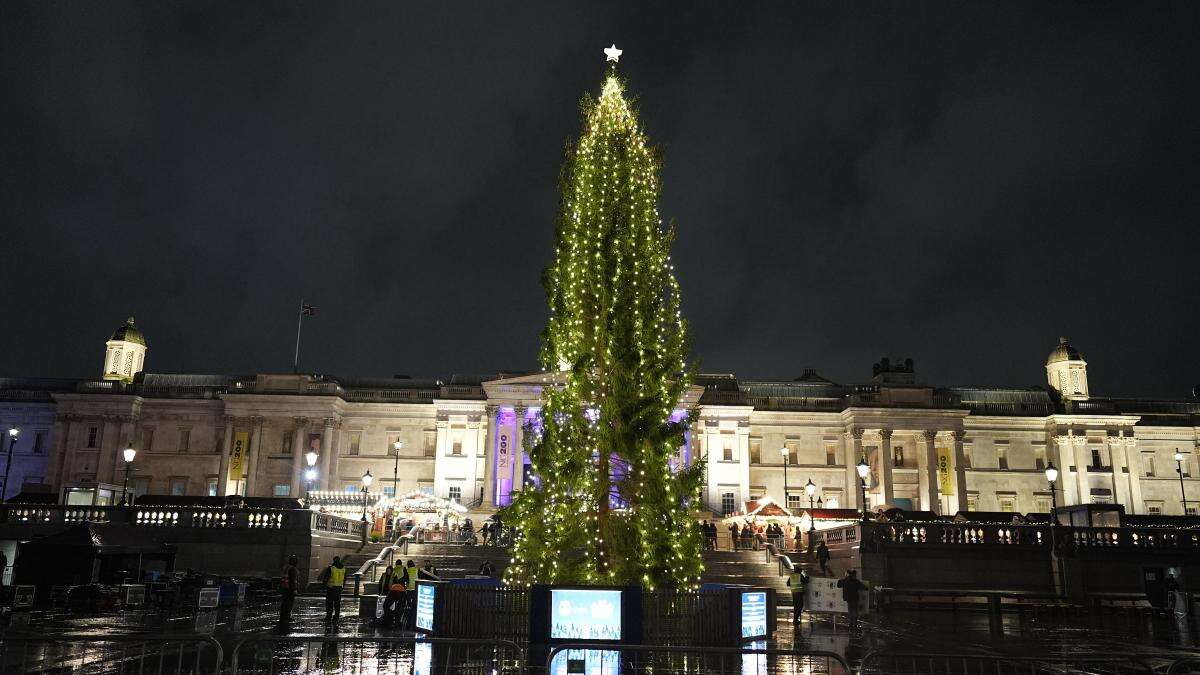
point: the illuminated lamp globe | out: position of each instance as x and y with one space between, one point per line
129 453
1178 454
367 478
784 452
810 488
863 468
1051 472
397 445
310 475
14 432
311 458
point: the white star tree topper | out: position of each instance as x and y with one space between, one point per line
612 53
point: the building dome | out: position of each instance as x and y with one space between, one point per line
129 333
1063 352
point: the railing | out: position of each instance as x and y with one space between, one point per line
95 654
399 546
485 612
181 517
1033 536
610 659
374 654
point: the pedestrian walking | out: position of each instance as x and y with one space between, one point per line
798 582
287 590
734 535
333 578
851 587
486 569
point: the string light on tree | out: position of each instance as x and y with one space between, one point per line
608 495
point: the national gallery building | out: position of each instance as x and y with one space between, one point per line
943 449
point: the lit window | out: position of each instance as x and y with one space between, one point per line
831 455
350 488
178 487
210 487
282 490
972 502
833 501
793 502
389 490
727 447
1002 458
1042 504
1154 508
898 456
1008 504
728 503
456 442
455 493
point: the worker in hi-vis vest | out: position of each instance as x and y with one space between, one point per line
798 582
333 578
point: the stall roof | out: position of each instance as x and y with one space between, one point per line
834 514
767 509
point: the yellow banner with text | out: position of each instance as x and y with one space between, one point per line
237 455
945 471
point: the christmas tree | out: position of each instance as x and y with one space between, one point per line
611 503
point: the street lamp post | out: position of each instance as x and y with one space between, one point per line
1056 570
811 489
129 454
396 468
784 451
863 469
366 481
13 433
311 474
1178 468
1051 477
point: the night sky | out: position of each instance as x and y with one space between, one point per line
958 183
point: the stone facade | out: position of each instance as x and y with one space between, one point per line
941 449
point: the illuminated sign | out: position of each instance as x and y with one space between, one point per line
426 593
578 614
754 614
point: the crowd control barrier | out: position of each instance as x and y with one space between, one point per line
605 658
87 654
382 655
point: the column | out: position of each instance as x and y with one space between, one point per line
1065 460
885 467
60 462
1115 449
125 429
256 432
1133 461
929 475
226 446
107 451
742 438
1082 459
489 456
298 449
326 451
335 453
853 456
518 449
960 469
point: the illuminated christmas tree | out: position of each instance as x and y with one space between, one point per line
611 504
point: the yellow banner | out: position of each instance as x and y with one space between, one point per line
237 455
945 470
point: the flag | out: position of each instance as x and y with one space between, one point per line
308 310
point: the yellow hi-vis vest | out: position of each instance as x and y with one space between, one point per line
337 577
412 577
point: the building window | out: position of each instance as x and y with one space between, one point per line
210 486
1154 508
1008 504
793 452
285 444
727 447
756 451
1096 460
39 442
348 488
148 439
185 439
1148 465
830 455
390 448
898 455
455 493
283 490
833 500
1190 510
179 486
1002 458
456 442
728 503
390 491
1039 458
139 486
967 457
793 502
93 439
1042 504
972 502
431 444
355 443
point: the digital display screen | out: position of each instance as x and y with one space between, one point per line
422 659
425 597
582 614
754 614
586 662
754 664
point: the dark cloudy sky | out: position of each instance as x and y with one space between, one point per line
960 183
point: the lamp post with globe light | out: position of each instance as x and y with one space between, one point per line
13 433
396 468
784 451
1052 477
128 455
366 481
811 490
1178 469
863 469
310 474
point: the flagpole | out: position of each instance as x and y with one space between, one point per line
299 323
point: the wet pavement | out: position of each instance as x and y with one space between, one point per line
1154 637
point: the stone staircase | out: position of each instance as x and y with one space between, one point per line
745 567
452 561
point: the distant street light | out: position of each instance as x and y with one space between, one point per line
311 474
863 469
1178 468
811 489
129 454
13 433
1051 477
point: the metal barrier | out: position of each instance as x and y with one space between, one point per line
969 664
374 654
601 658
1185 666
89 654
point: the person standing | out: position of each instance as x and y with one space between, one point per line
334 578
823 557
851 587
733 535
287 590
3 566
798 582
385 580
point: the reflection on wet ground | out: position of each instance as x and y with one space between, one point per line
1079 633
